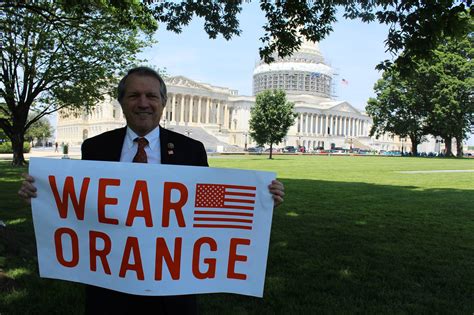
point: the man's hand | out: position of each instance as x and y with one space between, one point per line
278 191
27 189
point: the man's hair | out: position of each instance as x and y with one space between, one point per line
143 71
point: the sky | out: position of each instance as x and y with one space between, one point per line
353 50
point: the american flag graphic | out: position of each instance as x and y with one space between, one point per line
224 206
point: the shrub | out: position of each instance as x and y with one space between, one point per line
6 147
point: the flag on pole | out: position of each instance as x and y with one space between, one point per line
344 81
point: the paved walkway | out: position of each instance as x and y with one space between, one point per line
436 171
74 153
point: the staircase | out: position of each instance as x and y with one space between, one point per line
211 142
356 143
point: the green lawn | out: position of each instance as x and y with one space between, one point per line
353 236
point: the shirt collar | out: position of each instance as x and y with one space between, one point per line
153 138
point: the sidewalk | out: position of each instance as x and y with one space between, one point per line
74 153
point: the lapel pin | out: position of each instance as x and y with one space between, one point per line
170 148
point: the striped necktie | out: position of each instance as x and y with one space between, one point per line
141 157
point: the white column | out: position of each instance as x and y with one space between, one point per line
316 124
316 127
313 130
303 116
218 112
305 124
208 106
344 126
348 127
181 110
331 125
320 124
199 110
191 109
173 109
226 116
327 124
308 123
311 123
301 123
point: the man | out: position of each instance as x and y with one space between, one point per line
142 95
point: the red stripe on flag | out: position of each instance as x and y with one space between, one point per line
240 194
239 200
228 226
244 214
239 207
240 187
223 220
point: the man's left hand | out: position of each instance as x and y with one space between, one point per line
278 191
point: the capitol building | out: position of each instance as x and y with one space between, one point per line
219 116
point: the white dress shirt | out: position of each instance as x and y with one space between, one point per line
152 149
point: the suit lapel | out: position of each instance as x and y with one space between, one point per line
115 145
166 157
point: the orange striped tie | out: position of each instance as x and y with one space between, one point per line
141 157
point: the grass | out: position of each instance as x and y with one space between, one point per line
353 236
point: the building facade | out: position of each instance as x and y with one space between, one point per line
223 114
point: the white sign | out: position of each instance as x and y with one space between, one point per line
152 229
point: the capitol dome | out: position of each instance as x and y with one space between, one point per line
304 72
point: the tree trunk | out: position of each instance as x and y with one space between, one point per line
459 147
448 146
17 146
271 151
414 145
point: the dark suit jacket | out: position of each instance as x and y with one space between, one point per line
108 147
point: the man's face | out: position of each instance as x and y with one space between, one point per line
141 103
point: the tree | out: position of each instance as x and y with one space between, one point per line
400 107
416 27
270 118
41 129
56 56
451 75
435 98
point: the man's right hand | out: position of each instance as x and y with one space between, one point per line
27 189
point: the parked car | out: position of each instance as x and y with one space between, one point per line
338 151
274 150
302 149
255 149
289 149
393 153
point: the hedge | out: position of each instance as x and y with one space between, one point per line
6 147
